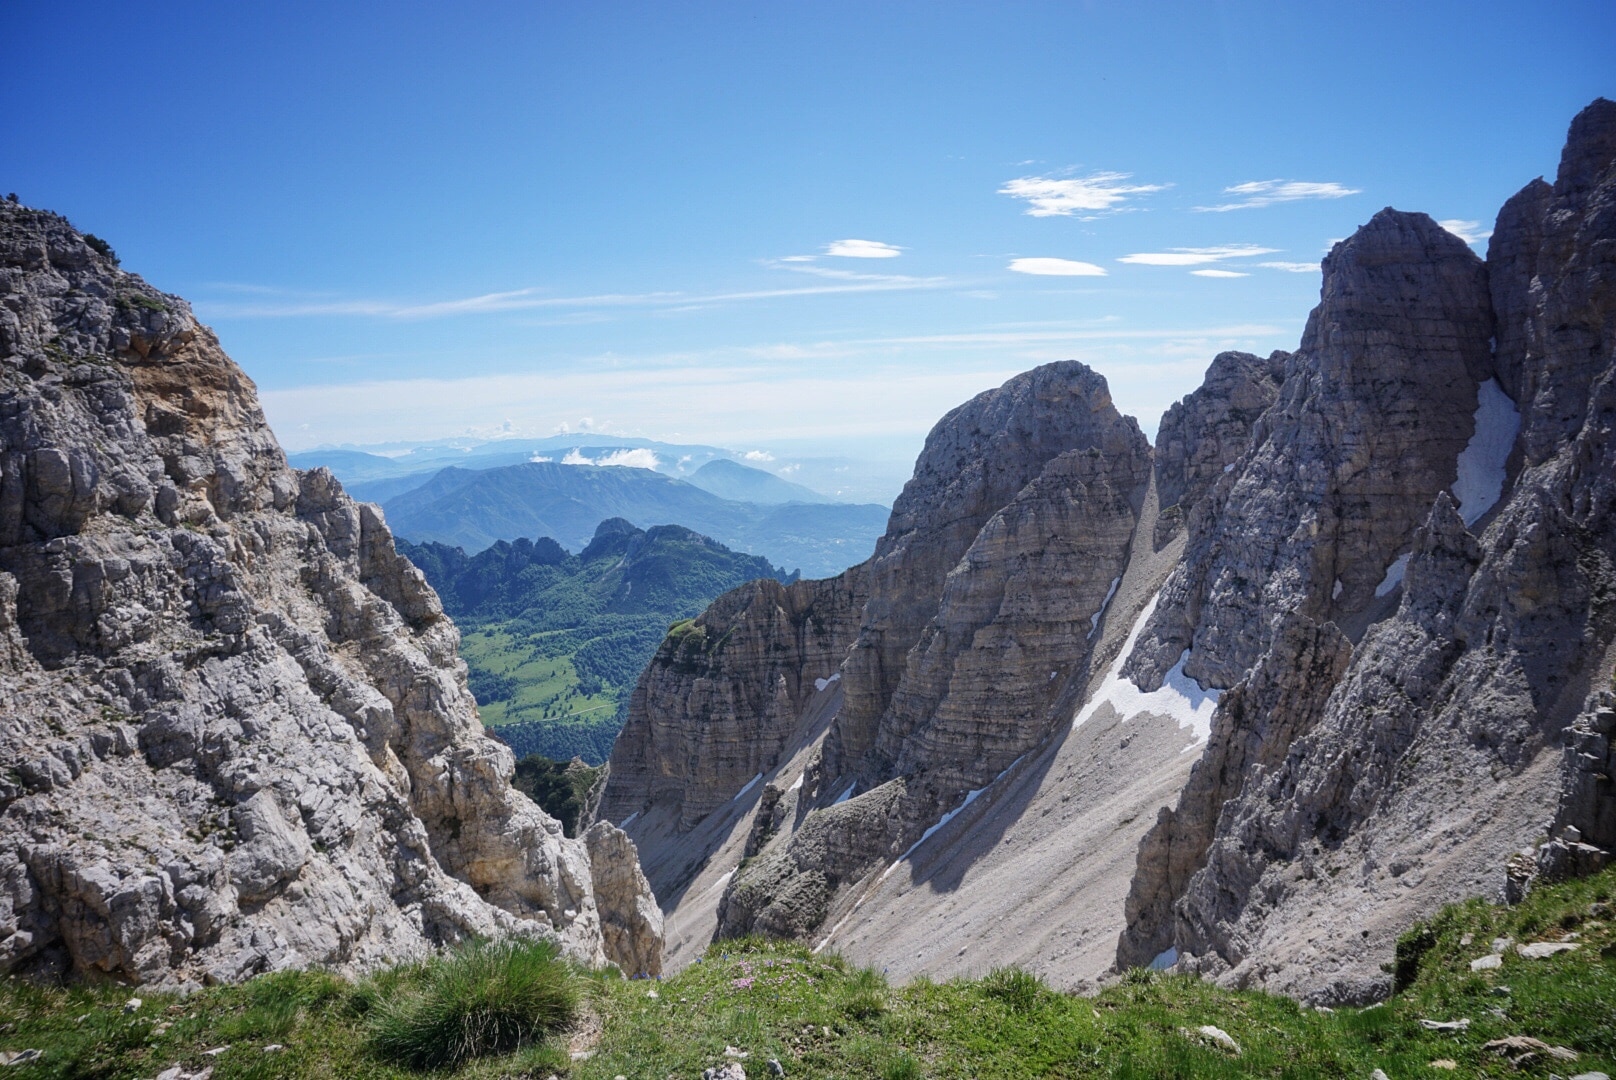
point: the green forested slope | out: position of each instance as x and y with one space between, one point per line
555 641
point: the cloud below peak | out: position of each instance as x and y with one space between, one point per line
1085 196
1254 194
1046 267
862 249
1468 231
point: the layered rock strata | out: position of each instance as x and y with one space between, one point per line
723 696
1019 521
237 735
1434 756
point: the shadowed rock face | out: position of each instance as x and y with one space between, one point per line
1200 437
237 735
1410 778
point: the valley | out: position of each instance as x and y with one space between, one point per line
554 642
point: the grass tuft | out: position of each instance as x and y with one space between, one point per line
484 999
1018 989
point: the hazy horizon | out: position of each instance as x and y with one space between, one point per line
808 231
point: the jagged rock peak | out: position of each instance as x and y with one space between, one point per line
1590 147
974 462
237 735
1201 436
1377 404
1417 775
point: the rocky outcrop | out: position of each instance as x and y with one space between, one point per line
723 696
237 735
1435 756
1200 437
1376 406
1004 653
975 461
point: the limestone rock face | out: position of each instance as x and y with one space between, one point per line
1201 436
1376 405
723 695
236 732
1434 758
1001 659
975 461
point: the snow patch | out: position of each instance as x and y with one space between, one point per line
1394 575
820 684
1165 960
1230 467
1481 463
1179 696
797 783
750 784
628 819
970 797
844 796
1335 593
1094 620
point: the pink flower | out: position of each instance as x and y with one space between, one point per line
742 984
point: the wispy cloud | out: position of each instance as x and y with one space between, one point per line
1057 268
1085 197
1258 193
534 299
862 249
758 455
1468 231
1219 273
1292 267
1196 256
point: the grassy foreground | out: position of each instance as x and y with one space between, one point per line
822 1017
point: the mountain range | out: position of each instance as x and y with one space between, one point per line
473 509
554 642
1338 650
1246 704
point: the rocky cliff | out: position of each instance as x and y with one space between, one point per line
236 735
1368 582
1339 798
980 603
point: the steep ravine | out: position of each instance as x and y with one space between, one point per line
1364 588
236 734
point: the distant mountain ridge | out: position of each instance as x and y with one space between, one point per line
742 483
475 509
555 641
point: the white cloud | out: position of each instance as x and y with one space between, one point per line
798 258
539 459
1258 193
1292 267
1218 273
640 458
1196 256
1057 268
862 249
1468 231
1089 195
758 455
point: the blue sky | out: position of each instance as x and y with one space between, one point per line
421 220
